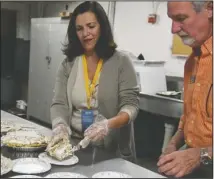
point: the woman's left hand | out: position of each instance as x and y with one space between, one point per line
97 131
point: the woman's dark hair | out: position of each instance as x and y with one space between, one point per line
105 46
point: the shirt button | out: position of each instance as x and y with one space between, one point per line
198 84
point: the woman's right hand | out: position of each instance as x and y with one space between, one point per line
60 132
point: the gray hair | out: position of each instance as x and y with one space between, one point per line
198 5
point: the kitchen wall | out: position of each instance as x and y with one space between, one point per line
27 10
154 41
10 91
23 16
52 9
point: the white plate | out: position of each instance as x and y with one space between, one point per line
70 161
65 175
26 176
168 93
7 169
30 166
110 174
6 165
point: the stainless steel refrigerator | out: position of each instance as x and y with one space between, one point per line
47 38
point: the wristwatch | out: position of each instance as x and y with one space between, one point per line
204 156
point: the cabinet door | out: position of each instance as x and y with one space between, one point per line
57 35
39 47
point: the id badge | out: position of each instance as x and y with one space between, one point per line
87 118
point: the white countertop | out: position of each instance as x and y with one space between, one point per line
5 116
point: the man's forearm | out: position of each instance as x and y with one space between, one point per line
178 139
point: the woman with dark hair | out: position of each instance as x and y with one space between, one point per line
104 44
96 91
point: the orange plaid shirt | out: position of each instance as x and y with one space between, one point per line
196 122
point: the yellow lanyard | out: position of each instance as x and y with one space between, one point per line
90 89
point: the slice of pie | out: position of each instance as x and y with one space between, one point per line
61 151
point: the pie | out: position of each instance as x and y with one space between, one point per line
25 139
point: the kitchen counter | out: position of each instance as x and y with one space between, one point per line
104 161
164 106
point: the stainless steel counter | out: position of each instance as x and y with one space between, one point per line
161 105
104 161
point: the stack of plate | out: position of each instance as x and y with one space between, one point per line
30 166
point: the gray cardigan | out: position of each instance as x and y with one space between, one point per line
117 88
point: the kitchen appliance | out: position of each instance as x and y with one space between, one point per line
22 105
47 38
150 75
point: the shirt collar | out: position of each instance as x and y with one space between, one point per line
207 46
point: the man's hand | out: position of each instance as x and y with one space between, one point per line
179 163
169 149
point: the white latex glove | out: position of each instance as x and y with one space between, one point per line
97 131
60 132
